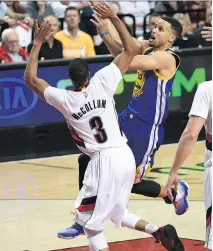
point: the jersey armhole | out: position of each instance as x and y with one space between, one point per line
177 61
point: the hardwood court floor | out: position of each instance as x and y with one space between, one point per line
36 197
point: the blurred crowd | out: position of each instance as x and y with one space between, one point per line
73 35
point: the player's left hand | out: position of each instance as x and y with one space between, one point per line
103 10
207 33
42 33
173 180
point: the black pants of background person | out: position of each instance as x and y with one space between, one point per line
147 188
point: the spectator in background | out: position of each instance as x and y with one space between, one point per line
39 10
10 50
153 19
163 6
8 15
187 38
52 48
137 8
195 16
14 15
24 30
59 7
184 19
207 33
17 7
197 33
76 43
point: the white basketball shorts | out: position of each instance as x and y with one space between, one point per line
106 188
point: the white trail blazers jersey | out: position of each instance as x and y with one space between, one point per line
202 107
90 113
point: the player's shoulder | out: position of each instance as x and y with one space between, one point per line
165 56
205 87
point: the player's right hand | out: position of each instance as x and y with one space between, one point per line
103 10
172 182
41 33
101 24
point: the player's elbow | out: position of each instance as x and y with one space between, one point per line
191 134
131 50
28 79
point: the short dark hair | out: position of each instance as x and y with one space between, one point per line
72 8
175 24
155 14
78 72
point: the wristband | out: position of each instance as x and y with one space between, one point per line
104 34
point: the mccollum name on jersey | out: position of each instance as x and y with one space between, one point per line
98 103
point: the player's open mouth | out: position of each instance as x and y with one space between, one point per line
151 38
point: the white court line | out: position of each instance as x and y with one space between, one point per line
68 155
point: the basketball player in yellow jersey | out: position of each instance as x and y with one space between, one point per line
143 119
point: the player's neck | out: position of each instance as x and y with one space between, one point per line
77 89
162 48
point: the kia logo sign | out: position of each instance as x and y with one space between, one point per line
20 192
18 186
16 98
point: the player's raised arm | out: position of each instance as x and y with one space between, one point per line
130 47
30 75
110 36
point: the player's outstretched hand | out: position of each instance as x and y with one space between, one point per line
172 182
100 24
207 33
42 33
103 10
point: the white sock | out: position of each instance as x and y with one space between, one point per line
150 228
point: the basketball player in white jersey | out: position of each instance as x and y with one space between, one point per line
91 117
200 115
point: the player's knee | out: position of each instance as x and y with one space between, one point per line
147 188
96 240
130 220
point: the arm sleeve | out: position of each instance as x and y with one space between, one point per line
110 76
201 103
56 97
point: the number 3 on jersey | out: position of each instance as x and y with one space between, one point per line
97 124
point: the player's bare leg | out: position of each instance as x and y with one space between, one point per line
148 188
165 235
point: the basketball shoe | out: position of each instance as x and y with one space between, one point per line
181 203
71 232
168 238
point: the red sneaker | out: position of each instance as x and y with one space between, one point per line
168 237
